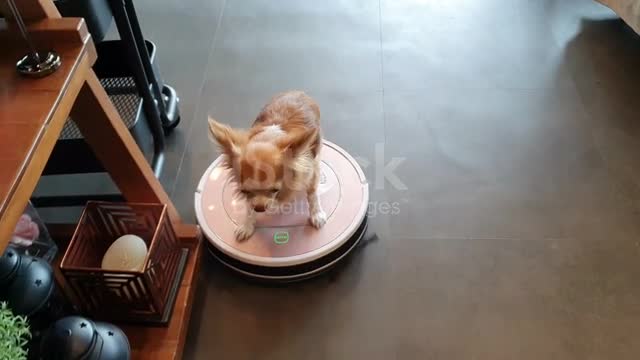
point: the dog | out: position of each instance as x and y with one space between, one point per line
277 158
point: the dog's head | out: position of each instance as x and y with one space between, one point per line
267 171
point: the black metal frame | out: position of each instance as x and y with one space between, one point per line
138 55
159 119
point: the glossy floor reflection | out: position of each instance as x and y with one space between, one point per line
514 127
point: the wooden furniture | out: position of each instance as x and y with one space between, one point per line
160 343
32 113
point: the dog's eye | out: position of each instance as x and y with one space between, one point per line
245 192
274 190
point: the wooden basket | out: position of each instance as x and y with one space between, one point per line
145 296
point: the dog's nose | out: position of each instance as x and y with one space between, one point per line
259 208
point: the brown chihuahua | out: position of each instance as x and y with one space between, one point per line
276 158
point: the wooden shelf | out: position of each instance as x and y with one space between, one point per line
156 342
32 114
33 111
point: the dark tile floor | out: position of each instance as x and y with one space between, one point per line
515 125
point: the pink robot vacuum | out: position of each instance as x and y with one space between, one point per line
285 247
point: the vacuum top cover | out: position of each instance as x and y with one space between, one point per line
283 236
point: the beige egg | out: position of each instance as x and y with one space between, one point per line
127 253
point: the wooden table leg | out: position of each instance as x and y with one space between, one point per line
113 145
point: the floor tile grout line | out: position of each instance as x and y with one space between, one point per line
198 95
384 116
486 238
380 42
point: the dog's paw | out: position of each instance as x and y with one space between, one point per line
244 232
318 219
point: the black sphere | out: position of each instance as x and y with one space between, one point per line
70 338
31 287
114 342
78 338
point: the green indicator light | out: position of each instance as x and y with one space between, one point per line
281 237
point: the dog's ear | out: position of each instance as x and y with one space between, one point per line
298 141
229 140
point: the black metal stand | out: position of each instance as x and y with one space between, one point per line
133 74
169 120
129 27
136 53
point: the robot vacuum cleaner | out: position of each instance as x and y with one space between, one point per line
285 247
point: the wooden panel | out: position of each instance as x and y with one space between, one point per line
32 113
62 35
104 131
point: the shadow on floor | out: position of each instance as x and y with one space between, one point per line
215 280
604 59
